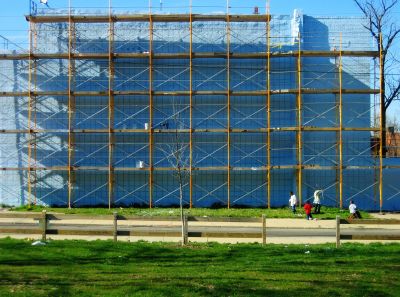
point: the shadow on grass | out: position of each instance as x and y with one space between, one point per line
105 268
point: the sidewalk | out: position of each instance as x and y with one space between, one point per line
386 215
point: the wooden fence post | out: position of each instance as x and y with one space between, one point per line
186 230
43 223
264 231
115 229
337 231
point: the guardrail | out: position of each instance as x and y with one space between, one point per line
114 231
340 236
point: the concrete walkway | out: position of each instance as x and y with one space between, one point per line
386 215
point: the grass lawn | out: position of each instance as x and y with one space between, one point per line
105 268
327 212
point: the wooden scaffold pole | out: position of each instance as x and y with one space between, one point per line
381 124
35 138
30 100
150 125
299 126
337 134
340 125
71 105
191 107
268 103
228 104
111 137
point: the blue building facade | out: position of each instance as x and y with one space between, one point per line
93 115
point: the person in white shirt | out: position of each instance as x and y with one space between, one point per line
293 202
354 214
317 201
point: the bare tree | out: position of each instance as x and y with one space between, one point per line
394 122
393 139
176 152
385 31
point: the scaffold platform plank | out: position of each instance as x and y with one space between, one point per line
187 93
209 168
202 55
169 131
146 18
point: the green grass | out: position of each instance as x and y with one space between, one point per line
327 212
104 268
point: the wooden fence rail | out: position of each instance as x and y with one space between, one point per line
340 236
115 230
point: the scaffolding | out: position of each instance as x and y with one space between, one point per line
262 110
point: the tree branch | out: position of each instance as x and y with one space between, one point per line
394 2
391 39
394 93
361 7
379 22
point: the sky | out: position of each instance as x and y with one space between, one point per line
14 26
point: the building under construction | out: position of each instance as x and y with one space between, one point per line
263 104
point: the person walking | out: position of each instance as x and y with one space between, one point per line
317 201
293 202
354 213
307 209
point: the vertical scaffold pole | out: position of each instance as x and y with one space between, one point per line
228 107
268 103
299 126
111 142
337 149
150 107
191 105
30 99
34 117
340 125
71 105
382 128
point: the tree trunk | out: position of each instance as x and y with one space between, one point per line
181 206
383 105
383 123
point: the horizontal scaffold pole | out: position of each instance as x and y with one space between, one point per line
147 17
167 131
187 93
211 168
203 55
